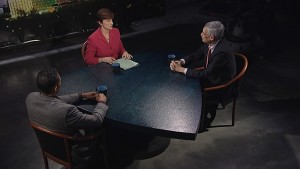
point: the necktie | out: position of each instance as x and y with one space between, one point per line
207 57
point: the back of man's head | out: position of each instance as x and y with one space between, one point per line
47 79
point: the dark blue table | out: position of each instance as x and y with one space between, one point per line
149 98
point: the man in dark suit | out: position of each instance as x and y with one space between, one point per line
217 67
57 113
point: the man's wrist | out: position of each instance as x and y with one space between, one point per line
103 102
182 61
184 71
80 96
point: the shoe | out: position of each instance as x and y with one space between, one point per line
203 128
209 118
207 123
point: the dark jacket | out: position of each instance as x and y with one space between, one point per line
58 114
221 68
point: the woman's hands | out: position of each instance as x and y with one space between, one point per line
108 60
126 55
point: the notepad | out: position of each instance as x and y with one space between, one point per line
126 63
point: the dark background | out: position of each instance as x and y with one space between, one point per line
267 130
73 19
252 22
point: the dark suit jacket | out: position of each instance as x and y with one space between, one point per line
58 113
221 68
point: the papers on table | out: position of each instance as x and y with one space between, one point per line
126 63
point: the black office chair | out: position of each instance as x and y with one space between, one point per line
58 146
241 67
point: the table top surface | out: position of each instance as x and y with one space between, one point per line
149 97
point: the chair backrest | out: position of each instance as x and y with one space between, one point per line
83 48
55 146
241 67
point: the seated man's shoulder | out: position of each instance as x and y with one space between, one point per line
33 94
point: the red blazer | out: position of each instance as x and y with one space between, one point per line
98 47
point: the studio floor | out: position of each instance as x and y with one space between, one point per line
267 130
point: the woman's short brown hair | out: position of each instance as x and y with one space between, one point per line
104 13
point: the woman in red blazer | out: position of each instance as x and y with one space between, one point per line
105 45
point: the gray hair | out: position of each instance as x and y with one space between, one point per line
215 28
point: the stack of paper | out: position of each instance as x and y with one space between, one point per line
126 63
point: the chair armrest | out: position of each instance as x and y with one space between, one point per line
216 87
199 68
236 78
90 136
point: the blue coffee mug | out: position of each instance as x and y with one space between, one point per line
116 67
171 56
102 89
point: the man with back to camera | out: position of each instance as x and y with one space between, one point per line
57 113
218 67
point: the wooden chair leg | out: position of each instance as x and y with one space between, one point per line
201 127
233 112
45 161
